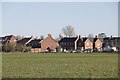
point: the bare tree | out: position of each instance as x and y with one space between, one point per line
41 37
68 31
102 35
58 38
90 36
18 37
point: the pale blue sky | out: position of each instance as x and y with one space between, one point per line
38 18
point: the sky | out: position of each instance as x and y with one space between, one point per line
42 18
118 19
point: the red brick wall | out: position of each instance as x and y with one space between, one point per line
88 44
36 50
48 42
13 39
98 44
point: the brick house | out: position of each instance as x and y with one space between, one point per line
0 46
9 39
71 43
35 45
88 44
2 40
106 42
111 43
114 43
67 43
97 45
118 44
50 43
25 41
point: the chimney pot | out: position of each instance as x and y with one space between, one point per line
95 36
49 35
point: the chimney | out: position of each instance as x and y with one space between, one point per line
78 36
111 36
96 36
49 35
32 37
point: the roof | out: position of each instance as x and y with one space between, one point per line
35 41
114 38
68 39
95 39
2 38
23 41
9 37
85 38
106 38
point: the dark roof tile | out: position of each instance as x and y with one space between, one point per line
67 39
23 41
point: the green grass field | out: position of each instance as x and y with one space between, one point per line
60 65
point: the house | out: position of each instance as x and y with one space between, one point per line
88 44
106 42
38 45
67 43
9 38
25 41
35 45
0 46
118 44
97 44
49 44
2 40
114 43
71 43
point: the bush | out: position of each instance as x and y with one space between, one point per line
19 47
8 47
26 49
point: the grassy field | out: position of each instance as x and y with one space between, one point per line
60 65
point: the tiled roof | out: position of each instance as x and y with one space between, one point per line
85 38
23 41
106 38
67 39
95 39
35 43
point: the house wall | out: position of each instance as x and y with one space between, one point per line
48 42
36 50
13 39
88 44
98 44
67 45
79 44
70 46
